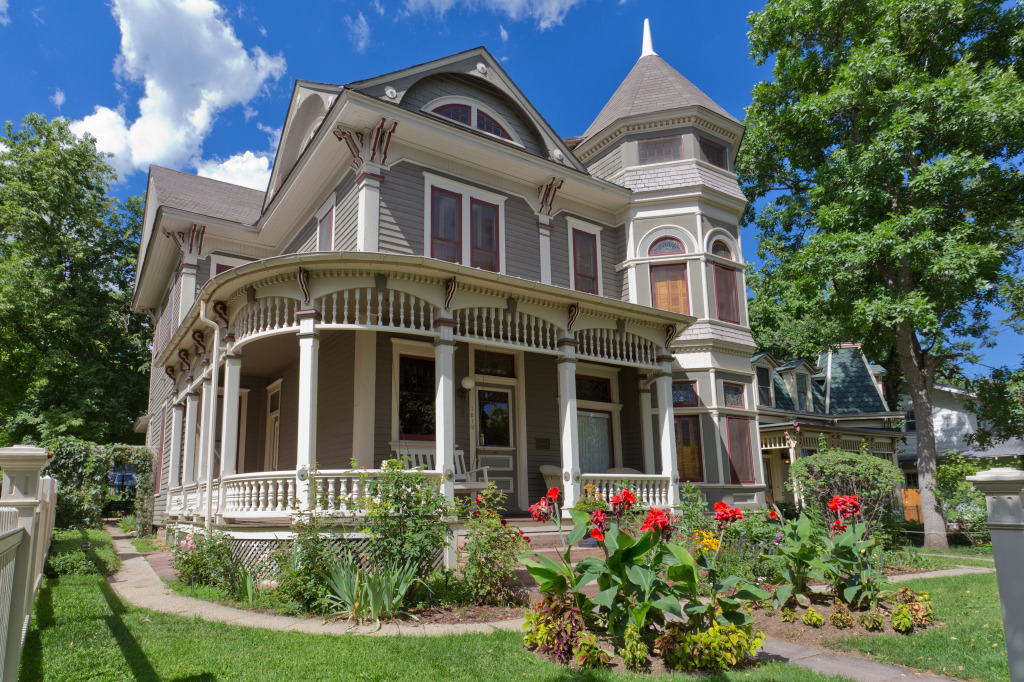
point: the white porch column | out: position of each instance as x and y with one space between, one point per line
570 428
364 398
368 211
188 476
667 429
229 432
207 423
544 232
647 429
444 405
309 356
1004 497
186 286
177 418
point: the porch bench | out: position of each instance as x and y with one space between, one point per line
422 457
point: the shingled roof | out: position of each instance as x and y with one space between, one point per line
205 196
853 390
651 86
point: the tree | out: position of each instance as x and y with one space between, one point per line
73 356
886 151
999 407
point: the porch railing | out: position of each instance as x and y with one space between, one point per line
650 490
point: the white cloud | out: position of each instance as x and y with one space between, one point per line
263 32
5 19
504 33
273 133
191 65
358 32
547 13
249 112
247 169
58 98
379 7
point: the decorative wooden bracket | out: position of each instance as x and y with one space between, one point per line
546 193
189 242
304 284
200 339
220 309
450 285
368 147
184 356
574 312
169 371
670 335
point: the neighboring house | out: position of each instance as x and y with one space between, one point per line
840 399
434 274
952 422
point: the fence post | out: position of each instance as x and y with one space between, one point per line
22 492
1004 498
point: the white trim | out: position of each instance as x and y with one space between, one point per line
325 208
270 458
215 260
717 233
674 231
587 369
400 347
474 107
590 228
466 194
544 234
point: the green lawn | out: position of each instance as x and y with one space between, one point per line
982 551
147 543
101 553
970 647
82 631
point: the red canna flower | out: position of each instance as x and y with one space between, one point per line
541 511
598 520
773 515
504 522
553 494
623 502
597 534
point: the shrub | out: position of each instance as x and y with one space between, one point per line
787 615
835 472
69 563
919 605
872 621
443 587
633 651
406 517
554 627
589 653
206 560
693 509
960 502
65 556
901 619
303 566
368 594
492 551
813 618
129 525
841 616
720 647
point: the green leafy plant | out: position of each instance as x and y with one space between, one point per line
405 516
901 620
812 618
919 605
303 566
363 594
800 559
787 615
872 621
633 651
492 550
69 563
201 559
841 616
554 627
852 567
720 647
960 502
589 653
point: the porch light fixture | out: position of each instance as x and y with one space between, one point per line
467 385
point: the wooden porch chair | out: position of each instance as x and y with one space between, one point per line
466 480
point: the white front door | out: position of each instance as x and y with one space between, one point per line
596 450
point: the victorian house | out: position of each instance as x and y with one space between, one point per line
433 274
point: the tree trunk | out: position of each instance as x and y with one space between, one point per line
920 378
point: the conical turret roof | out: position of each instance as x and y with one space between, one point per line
651 86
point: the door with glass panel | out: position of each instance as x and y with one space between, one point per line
494 434
595 433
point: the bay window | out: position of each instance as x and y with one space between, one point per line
741 462
688 454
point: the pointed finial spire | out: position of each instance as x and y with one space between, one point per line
648 43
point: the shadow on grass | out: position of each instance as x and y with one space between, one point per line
32 653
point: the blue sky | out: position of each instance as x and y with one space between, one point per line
204 87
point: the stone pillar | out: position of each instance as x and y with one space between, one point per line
1004 497
177 419
21 493
570 428
188 476
229 430
444 405
667 429
647 430
309 356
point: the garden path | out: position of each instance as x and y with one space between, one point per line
139 584
959 556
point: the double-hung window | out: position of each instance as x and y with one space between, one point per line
764 386
727 297
464 224
585 256
325 227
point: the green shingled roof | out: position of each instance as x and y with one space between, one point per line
853 389
783 401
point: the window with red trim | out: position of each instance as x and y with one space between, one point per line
688 454
445 225
741 462
727 294
668 288
489 125
666 246
684 394
416 398
460 113
721 249
733 394
483 229
584 249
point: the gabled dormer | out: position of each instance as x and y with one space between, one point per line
797 378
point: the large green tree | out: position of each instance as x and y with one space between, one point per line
884 155
73 357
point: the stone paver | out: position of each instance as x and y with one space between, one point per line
138 584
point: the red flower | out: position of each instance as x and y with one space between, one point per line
721 506
656 520
725 515
773 515
541 511
623 502
597 519
838 527
597 534
553 494
504 522
479 499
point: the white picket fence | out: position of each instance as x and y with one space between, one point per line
27 507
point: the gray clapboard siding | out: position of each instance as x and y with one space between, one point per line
541 420
401 210
305 240
451 84
202 273
346 216
560 266
253 457
334 400
612 253
632 436
522 241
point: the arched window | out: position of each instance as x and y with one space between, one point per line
460 113
721 249
666 246
489 125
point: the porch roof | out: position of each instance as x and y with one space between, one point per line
830 428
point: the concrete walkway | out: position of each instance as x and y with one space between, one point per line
138 584
962 557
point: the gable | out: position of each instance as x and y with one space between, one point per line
852 389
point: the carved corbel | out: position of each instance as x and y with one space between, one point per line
546 194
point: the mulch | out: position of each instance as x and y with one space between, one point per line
462 614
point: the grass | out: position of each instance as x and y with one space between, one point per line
971 646
982 551
147 543
101 553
